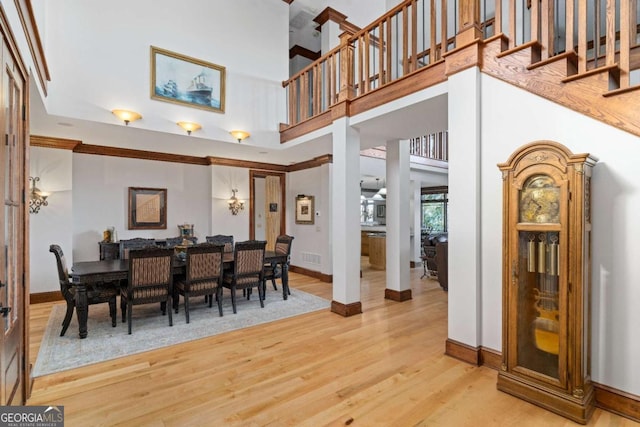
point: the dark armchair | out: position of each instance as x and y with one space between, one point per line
273 271
150 280
221 239
204 269
136 243
248 264
95 294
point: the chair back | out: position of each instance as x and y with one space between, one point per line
150 274
204 263
63 273
283 245
221 239
136 243
249 258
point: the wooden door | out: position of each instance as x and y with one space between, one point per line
12 235
274 205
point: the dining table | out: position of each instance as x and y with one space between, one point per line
111 272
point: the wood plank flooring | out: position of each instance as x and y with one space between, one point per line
385 367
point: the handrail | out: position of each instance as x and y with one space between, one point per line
415 35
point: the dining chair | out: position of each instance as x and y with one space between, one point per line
221 239
95 294
150 279
172 242
273 270
136 243
204 269
248 263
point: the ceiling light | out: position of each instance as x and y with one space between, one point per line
240 134
189 126
126 116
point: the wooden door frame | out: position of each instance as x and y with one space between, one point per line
283 186
10 40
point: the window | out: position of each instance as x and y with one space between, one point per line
434 204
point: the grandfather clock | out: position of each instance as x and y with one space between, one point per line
546 279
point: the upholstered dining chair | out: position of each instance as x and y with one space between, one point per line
172 242
150 280
204 269
248 263
273 271
95 294
221 239
136 243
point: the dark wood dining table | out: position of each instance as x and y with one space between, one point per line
111 272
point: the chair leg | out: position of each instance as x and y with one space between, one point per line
113 311
261 292
170 312
129 310
233 299
163 307
67 318
219 299
273 282
211 299
123 308
186 306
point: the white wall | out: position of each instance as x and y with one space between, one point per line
99 58
100 198
312 239
223 179
53 224
512 117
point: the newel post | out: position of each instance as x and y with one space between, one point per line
469 18
346 68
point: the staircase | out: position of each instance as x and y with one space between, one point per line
521 42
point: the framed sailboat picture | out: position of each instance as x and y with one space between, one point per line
188 81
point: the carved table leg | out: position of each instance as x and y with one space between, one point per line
82 309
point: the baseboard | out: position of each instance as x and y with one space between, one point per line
328 278
463 352
618 402
607 398
346 310
41 297
398 296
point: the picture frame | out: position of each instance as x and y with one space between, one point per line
381 211
305 209
147 208
184 80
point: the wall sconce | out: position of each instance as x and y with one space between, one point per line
189 126
235 205
37 198
240 135
126 116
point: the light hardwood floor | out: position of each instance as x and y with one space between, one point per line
385 367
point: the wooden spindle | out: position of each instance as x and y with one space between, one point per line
582 36
413 62
367 61
443 28
380 54
405 41
512 24
628 9
389 43
433 23
570 15
610 29
546 29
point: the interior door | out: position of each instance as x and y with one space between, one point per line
268 189
12 235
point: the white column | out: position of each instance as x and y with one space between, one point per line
464 208
398 219
329 36
345 217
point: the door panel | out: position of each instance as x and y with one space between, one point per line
12 235
270 187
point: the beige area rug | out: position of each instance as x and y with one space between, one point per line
151 329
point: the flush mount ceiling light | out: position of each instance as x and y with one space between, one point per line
240 134
189 126
126 116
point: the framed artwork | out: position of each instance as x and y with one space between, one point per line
381 211
147 208
188 81
273 207
304 209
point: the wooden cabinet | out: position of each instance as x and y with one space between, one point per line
109 250
378 251
546 279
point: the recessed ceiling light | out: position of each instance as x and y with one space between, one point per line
262 152
65 124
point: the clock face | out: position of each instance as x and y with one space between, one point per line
540 200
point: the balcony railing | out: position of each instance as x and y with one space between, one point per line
418 34
434 146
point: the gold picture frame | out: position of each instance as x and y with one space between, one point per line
147 208
304 209
188 81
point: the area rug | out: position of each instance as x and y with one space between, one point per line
151 329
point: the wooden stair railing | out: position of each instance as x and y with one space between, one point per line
589 37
